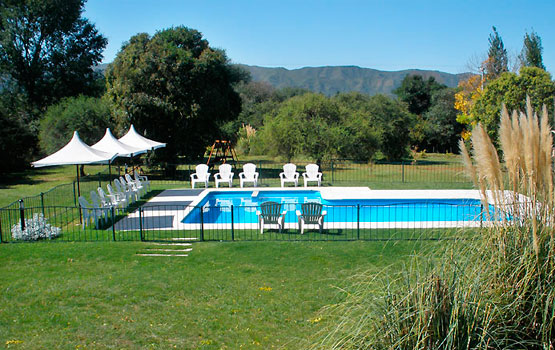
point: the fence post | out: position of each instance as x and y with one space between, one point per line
74 195
42 202
141 233
22 214
358 221
332 172
201 224
402 171
232 225
113 224
481 215
1 236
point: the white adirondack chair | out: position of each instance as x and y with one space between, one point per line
249 174
201 175
143 180
312 174
289 174
224 175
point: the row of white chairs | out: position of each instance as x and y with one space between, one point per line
125 191
249 174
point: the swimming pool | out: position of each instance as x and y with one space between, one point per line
344 207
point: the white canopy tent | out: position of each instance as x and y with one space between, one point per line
78 153
110 144
134 139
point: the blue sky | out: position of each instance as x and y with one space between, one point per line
386 35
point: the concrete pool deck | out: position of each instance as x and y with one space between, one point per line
167 210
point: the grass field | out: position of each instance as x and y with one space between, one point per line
259 295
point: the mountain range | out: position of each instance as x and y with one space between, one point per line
333 79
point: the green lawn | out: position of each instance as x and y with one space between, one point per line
259 295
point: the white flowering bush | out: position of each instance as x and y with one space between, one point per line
35 229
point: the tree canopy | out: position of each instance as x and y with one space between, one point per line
48 49
417 92
498 61
175 87
531 55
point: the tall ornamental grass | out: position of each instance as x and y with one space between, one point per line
496 291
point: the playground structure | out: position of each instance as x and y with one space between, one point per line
221 152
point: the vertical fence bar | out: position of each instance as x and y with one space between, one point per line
22 214
74 195
402 171
113 223
232 225
332 172
201 224
1 236
358 221
42 203
141 233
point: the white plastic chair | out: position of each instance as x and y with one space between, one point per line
224 175
122 188
89 213
136 184
130 188
143 180
201 175
118 200
312 174
104 209
311 214
249 174
270 214
289 174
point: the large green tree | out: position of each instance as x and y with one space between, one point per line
512 89
417 92
48 49
498 61
441 130
531 55
176 88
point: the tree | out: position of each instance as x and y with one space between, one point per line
512 90
497 62
442 131
531 55
417 92
175 87
90 116
48 49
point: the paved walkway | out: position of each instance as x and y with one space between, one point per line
160 212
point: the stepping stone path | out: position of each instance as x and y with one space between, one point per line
166 249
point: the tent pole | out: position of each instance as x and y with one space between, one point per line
79 194
110 172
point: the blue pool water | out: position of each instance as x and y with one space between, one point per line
217 207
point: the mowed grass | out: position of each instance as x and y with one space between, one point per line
240 295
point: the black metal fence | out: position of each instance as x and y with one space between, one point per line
179 223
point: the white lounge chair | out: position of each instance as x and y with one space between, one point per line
270 214
311 214
143 180
224 175
201 175
249 174
289 174
312 174
89 213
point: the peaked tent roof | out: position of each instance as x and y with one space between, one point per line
75 152
134 139
111 145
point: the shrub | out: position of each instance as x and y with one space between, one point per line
35 229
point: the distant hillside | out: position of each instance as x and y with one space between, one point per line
331 80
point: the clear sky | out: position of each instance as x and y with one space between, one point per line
386 35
